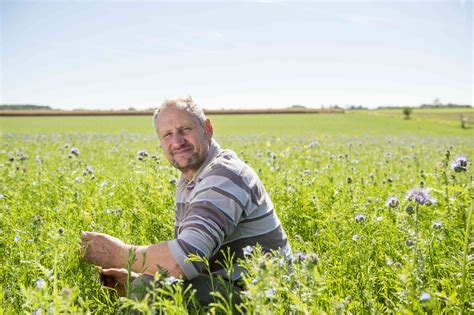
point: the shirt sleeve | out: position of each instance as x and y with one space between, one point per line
212 215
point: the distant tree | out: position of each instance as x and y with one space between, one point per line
298 106
463 121
24 107
407 112
360 107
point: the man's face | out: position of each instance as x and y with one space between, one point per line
183 139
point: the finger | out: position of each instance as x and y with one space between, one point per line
109 272
87 236
114 272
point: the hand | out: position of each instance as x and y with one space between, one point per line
104 250
116 278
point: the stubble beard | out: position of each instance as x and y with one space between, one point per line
193 163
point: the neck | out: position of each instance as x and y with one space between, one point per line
188 175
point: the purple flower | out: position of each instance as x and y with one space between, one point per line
299 257
40 284
425 296
75 151
312 259
459 164
360 218
392 202
247 250
16 238
270 292
142 154
170 280
390 262
436 225
89 170
420 196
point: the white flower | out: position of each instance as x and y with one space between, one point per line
2 196
270 292
102 185
247 250
170 280
390 262
16 238
355 237
425 296
379 219
40 284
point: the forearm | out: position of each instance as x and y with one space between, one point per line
110 252
157 257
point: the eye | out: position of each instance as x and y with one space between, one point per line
185 130
166 135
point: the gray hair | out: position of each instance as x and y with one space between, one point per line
182 103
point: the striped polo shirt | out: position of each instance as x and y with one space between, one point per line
224 207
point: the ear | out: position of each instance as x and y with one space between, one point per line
208 129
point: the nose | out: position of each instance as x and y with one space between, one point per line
177 141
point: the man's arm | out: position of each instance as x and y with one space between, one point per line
109 252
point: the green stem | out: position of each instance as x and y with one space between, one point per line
467 232
416 234
131 259
415 246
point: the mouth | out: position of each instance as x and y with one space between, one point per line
182 151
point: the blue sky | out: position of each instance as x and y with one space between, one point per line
236 54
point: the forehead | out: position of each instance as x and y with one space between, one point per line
172 117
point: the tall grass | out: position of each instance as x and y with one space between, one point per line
353 252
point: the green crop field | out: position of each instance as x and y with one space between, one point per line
378 210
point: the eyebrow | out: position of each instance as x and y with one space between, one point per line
187 125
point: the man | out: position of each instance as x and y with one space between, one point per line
221 206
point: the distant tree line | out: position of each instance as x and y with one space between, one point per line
449 105
24 107
436 104
427 106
